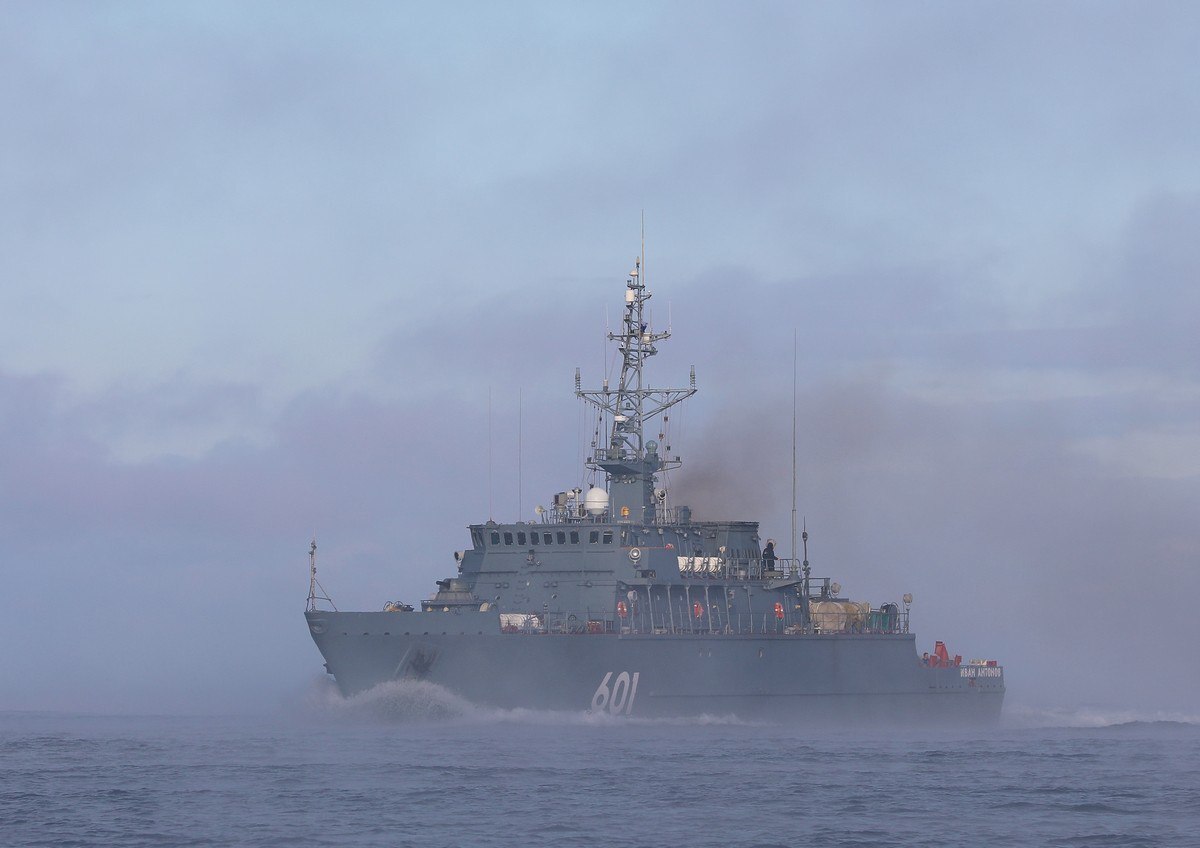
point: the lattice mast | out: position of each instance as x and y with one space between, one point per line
316 592
630 460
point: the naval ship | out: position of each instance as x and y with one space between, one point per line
614 601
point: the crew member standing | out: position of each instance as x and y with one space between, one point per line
768 557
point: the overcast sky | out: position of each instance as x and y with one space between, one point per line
262 264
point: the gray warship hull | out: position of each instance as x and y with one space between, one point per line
833 678
614 600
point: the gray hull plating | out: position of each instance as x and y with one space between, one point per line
836 677
618 599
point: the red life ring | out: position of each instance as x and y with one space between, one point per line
779 610
622 610
698 610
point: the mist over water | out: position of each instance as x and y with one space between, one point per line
408 764
394 702
417 702
1092 717
409 702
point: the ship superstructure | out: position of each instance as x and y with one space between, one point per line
613 600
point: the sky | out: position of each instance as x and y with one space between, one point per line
281 270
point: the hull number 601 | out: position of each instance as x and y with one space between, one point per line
619 699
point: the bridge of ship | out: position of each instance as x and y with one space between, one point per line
571 574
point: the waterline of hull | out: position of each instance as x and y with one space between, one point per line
826 678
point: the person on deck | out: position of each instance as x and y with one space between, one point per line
768 556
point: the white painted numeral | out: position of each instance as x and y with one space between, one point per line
600 699
620 693
619 699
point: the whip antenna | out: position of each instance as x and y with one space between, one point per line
520 441
795 345
491 497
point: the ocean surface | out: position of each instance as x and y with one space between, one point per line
410 765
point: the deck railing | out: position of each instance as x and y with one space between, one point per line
740 568
715 621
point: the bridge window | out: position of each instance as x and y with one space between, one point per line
574 537
562 537
594 537
495 537
548 538
507 537
608 537
521 538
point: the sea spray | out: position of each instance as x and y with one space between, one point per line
1084 716
417 701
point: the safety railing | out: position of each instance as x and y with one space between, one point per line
636 617
740 568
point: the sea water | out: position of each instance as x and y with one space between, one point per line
411 765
